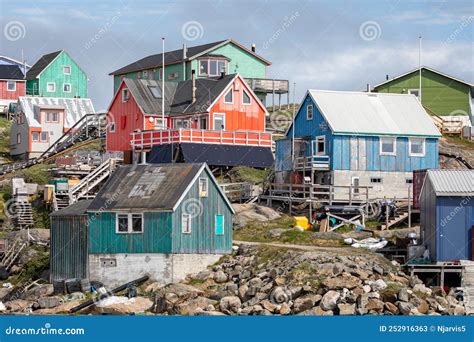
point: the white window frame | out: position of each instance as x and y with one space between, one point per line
18 138
309 117
423 145
161 123
129 223
231 91
47 87
64 71
144 73
70 87
189 229
208 61
214 121
8 85
315 146
49 117
41 136
250 98
125 99
33 134
394 145
205 192
112 127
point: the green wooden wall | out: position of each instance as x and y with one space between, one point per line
163 231
203 238
54 73
442 95
156 236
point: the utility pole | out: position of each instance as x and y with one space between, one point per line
419 64
293 129
163 85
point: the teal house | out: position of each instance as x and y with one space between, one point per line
56 75
208 60
164 220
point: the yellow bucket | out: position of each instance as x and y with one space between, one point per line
302 222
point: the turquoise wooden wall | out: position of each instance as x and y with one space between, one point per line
54 73
162 231
156 236
203 238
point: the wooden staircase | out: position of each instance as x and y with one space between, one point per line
22 214
468 285
12 253
399 217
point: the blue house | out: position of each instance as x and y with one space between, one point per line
164 220
358 139
447 214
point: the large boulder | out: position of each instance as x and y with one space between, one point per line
329 300
123 306
247 213
230 304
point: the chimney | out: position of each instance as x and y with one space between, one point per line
386 77
185 51
253 47
368 87
193 81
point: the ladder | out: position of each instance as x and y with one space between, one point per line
394 220
22 213
12 254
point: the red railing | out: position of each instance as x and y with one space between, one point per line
146 139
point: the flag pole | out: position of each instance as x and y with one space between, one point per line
419 65
163 85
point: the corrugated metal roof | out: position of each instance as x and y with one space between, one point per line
78 208
156 187
74 109
452 182
364 113
143 95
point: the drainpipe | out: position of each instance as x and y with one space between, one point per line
193 80
185 55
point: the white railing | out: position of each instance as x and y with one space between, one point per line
145 139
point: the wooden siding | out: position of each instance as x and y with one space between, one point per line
12 95
203 238
440 94
365 155
127 117
54 73
69 258
156 236
239 117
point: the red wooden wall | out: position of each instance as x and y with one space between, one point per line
11 95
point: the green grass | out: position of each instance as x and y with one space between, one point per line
258 232
38 174
5 126
248 174
459 141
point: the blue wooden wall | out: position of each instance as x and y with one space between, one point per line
342 156
162 230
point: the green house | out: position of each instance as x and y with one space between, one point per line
208 60
441 94
56 75
164 220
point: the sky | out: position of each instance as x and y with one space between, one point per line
333 45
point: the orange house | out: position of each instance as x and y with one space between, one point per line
215 120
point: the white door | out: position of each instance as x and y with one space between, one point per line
219 122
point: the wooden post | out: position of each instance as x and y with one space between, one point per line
386 215
273 95
279 101
409 207
290 202
441 284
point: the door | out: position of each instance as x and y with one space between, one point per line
319 146
219 122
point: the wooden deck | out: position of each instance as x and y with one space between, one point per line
148 139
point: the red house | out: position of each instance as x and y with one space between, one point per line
219 121
12 86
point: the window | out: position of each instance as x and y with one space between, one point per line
409 181
159 123
229 97
388 146
219 122
18 138
415 92
203 187
202 123
219 225
203 64
309 112
11 86
355 186
245 97
44 136
66 70
221 66
375 180
145 73
51 87
125 95
67 87
129 223
178 123
52 117
35 136
112 127
212 67
173 75
159 73
155 91
186 223
319 147
416 147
